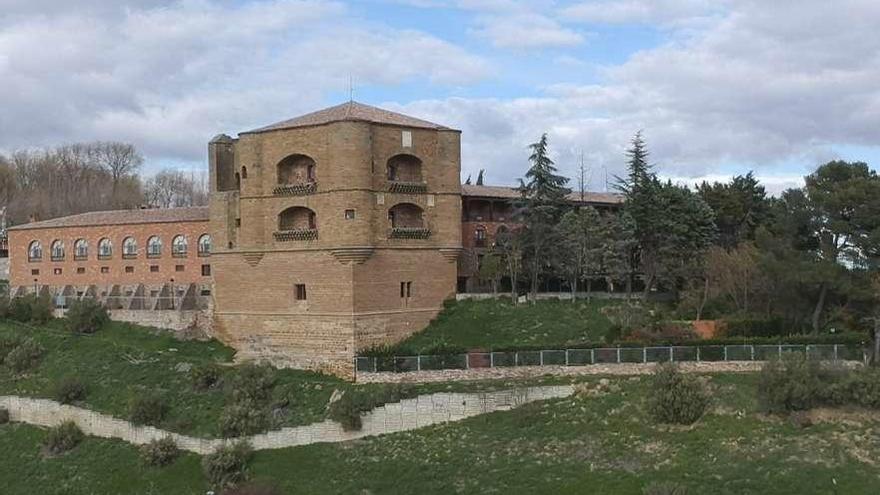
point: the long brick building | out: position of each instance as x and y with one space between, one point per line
326 234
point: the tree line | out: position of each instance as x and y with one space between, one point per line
82 177
724 249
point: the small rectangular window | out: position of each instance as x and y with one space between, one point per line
238 222
129 269
206 270
57 271
105 269
405 289
35 272
349 214
300 292
179 268
406 139
154 268
80 270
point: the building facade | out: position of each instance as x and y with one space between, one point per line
334 232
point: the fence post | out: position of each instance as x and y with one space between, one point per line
419 362
491 359
467 361
780 351
644 354
375 365
541 357
725 353
671 356
516 358
566 357
835 352
698 354
592 356
753 351
618 355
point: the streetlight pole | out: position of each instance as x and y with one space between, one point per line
172 293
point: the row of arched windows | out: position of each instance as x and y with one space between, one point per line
300 169
179 248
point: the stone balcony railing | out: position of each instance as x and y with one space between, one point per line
303 189
409 233
296 235
403 187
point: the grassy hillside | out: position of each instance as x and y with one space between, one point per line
586 444
498 324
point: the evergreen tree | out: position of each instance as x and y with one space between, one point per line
740 206
480 177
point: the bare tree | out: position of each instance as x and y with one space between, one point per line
121 160
174 188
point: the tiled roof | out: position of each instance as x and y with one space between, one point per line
351 111
503 192
122 217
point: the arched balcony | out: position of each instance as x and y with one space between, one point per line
407 222
405 175
296 176
297 223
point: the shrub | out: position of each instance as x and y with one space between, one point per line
227 465
147 409
675 397
253 488
4 416
757 327
159 453
69 389
253 383
243 418
24 356
205 377
793 383
86 316
667 488
858 387
7 344
31 308
62 438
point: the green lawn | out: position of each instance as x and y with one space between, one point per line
498 324
603 444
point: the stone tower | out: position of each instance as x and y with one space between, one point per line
333 232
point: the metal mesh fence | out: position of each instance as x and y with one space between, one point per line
608 355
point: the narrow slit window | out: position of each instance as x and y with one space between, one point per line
300 292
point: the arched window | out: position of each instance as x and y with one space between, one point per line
80 249
35 251
105 248
129 248
154 247
178 246
480 236
204 245
404 168
57 250
296 169
407 216
297 218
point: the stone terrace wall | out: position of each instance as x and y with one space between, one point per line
408 414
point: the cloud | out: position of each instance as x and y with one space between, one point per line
168 77
527 30
642 11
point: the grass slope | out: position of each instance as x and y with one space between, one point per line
603 444
498 324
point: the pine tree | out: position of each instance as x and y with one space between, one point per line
480 177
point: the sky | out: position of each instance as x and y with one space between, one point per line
718 87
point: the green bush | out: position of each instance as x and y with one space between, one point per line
253 383
7 344
160 453
147 409
4 416
758 327
69 389
676 398
858 387
243 418
227 465
25 356
205 377
31 308
793 383
86 316
667 488
253 488
62 438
